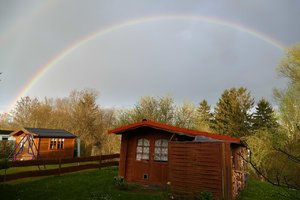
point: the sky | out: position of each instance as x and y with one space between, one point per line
190 50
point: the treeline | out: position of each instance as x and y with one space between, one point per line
273 136
78 113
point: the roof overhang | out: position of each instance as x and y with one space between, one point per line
20 132
173 129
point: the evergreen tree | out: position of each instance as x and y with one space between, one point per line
264 116
232 112
85 116
203 116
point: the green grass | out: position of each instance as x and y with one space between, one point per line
95 184
13 170
259 190
99 184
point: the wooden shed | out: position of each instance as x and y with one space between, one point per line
41 143
189 161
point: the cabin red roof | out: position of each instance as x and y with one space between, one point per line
173 129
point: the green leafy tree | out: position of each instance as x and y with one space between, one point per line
185 115
23 114
264 116
276 156
203 116
85 117
232 113
160 109
289 98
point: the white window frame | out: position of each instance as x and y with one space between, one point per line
143 149
161 150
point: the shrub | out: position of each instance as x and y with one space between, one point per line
120 183
204 196
4 163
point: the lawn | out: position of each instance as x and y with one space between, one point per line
265 191
94 184
99 184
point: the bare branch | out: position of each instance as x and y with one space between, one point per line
258 171
290 156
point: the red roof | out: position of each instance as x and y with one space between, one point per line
173 129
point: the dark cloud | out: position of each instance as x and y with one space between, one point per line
185 59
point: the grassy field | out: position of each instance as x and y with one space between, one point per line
13 170
99 184
95 184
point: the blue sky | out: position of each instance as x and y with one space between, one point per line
187 59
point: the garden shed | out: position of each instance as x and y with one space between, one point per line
42 143
189 161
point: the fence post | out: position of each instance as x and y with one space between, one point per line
4 178
100 162
59 166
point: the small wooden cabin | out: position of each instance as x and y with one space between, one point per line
41 143
189 161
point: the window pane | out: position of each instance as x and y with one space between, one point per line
146 150
145 157
142 149
157 150
157 143
156 157
161 150
140 142
164 143
146 143
139 150
164 158
138 156
164 151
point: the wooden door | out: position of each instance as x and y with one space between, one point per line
142 159
147 157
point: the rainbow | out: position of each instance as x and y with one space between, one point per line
84 40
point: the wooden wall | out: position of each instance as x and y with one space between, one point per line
198 167
43 146
192 167
47 153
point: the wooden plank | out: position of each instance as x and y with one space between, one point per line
196 168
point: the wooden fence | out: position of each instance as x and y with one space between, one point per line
97 162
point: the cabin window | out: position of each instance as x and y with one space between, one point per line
161 150
142 149
57 143
52 143
60 143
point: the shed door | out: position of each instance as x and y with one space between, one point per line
142 160
159 161
151 160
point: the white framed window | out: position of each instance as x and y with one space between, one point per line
161 150
57 143
142 149
60 143
52 143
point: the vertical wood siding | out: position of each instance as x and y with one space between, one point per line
198 167
43 146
